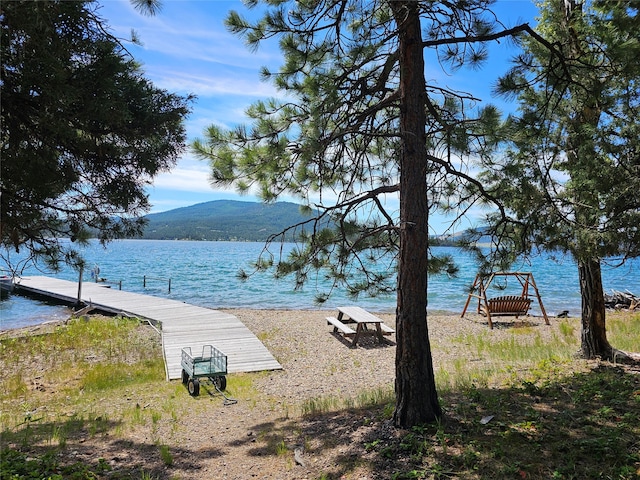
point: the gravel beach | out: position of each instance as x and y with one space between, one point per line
318 362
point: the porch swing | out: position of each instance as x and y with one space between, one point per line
506 305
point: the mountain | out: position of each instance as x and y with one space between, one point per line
223 220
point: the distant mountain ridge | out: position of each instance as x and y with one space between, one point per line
233 220
223 220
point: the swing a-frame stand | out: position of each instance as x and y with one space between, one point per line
508 305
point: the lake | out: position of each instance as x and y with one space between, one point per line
205 274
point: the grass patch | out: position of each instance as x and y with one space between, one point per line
482 361
623 331
321 405
59 378
325 404
241 386
101 378
369 398
165 455
522 345
117 375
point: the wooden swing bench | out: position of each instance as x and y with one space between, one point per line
507 305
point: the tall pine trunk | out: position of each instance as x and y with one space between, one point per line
581 152
416 396
594 332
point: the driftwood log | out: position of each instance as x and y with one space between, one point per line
622 300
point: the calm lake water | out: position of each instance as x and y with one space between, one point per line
205 274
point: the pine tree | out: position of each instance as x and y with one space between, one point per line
83 132
571 176
359 125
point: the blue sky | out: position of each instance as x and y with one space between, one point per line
186 49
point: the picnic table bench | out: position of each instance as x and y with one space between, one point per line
350 316
505 306
339 326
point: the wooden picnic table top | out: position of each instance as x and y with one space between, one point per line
359 315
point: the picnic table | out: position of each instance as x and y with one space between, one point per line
362 320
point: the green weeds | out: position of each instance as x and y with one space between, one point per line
623 332
320 405
18 465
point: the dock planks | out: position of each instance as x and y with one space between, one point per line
182 325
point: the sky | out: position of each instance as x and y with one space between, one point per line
186 49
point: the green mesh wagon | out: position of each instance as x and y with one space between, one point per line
211 365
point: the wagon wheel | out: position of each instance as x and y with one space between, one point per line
220 382
194 387
185 377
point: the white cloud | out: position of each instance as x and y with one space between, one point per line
211 46
213 114
188 32
187 179
211 84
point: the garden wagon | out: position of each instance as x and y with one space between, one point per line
211 365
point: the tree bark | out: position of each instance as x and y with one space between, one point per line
594 332
416 396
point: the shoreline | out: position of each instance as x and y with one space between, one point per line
326 311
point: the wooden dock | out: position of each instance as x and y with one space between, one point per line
182 325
